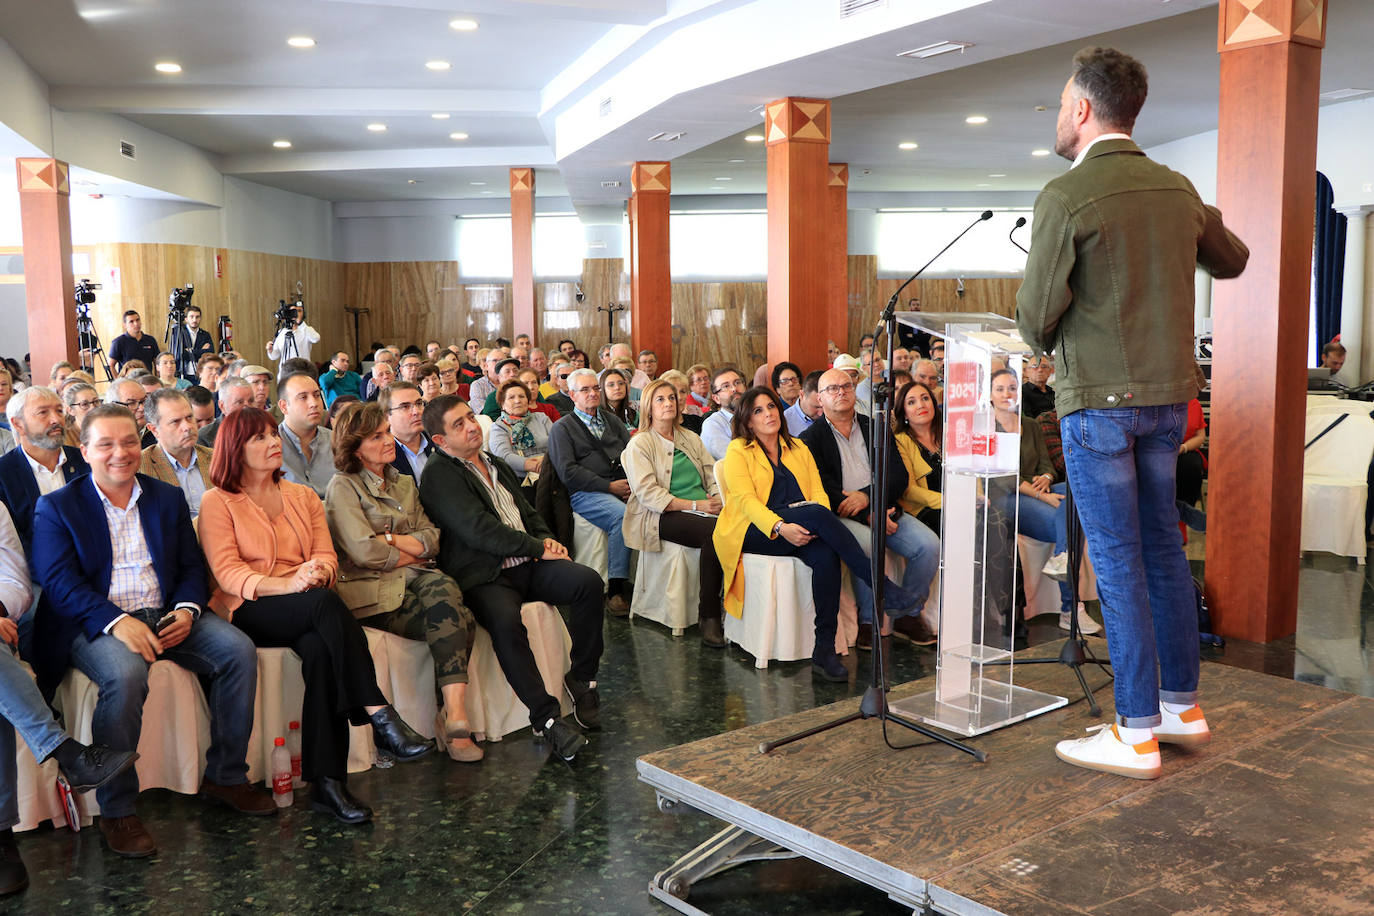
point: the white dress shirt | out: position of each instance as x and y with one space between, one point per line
48 480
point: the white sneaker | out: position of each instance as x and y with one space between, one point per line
1187 729
1086 625
1057 567
1106 751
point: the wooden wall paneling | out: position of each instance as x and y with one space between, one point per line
722 323
489 311
863 300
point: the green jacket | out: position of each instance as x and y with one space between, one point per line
473 541
1109 280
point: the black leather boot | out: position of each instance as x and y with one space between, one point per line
331 796
393 736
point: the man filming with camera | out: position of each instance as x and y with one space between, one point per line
294 336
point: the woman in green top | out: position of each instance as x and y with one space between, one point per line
673 495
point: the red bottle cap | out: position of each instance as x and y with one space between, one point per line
279 742
294 725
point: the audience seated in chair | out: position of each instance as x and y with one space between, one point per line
585 447
234 394
807 408
501 554
776 505
175 458
124 585
727 386
386 546
672 479
41 463
268 546
306 453
520 436
404 407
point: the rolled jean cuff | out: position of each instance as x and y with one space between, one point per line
460 677
1139 721
1182 697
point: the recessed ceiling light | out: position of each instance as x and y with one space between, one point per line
376 128
998 175
301 41
282 144
440 116
722 178
1040 152
477 184
457 135
753 138
437 65
717 187
167 66
936 49
734 160
906 145
463 25
488 192
976 119
414 180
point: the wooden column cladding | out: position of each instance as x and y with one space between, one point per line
522 250
837 219
651 281
1266 184
797 132
44 195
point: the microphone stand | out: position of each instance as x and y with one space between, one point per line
1020 221
874 705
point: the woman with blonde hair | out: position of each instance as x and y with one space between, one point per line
673 495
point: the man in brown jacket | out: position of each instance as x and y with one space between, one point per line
176 458
1109 289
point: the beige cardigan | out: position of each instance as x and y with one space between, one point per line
649 466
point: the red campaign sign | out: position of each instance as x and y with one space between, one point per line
959 433
961 385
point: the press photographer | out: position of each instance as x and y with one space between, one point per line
293 337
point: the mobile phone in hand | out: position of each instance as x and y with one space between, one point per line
167 620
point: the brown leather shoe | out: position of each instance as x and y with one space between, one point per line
243 798
127 837
713 632
864 640
915 630
618 606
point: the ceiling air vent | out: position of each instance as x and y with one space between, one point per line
610 184
854 7
936 49
126 149
667 136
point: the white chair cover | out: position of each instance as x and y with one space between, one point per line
591 547
779 617
1334 478
668 586
486 423
1042 592
494 710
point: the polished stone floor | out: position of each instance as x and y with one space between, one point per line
522 833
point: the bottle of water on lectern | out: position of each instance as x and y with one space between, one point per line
281 775
293 747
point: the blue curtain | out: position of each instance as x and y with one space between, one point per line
1328 264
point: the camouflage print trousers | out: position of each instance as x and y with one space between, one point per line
433 610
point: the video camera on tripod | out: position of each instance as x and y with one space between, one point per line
90 354
85 297
289 314
175 337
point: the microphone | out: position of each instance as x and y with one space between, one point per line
1020 221
892 303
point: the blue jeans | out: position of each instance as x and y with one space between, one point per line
214 649
1043 522
1122 465
607 513
23 709
915 542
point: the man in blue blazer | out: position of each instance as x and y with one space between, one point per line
124 585
41 463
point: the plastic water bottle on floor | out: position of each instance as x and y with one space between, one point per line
281 775
293 747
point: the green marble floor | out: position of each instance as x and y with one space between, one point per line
521 833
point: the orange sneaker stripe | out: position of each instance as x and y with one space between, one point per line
1191 715
1144 747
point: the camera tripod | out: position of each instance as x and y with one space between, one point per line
90 353
175 339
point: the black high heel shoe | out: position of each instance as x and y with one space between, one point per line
331 796
394 737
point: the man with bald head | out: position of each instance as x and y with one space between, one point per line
129 393
840 445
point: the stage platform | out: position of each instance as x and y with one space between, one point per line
1276 815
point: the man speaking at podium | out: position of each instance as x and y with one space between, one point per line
1109 290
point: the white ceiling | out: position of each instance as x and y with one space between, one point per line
242 88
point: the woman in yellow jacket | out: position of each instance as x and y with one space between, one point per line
775 505
918 430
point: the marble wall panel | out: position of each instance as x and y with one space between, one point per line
720 323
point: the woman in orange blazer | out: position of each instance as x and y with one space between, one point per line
269 548
775 505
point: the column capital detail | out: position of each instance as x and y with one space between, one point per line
794 120
839 175
44 175
651 177
1248 23
522 179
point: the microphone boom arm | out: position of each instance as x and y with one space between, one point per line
892 303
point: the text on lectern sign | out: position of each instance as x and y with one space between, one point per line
961 397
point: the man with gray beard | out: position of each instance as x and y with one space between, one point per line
41 463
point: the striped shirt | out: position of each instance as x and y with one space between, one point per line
506 509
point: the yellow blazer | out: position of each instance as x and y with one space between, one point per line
917 495
745 482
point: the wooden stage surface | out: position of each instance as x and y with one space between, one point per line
1275 815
